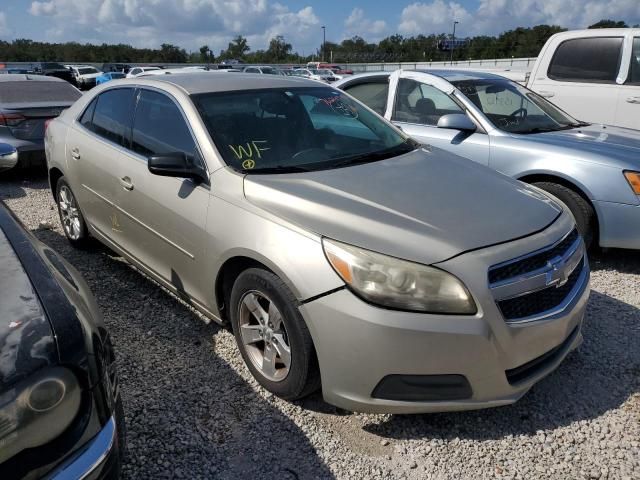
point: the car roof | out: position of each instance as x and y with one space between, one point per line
457 75
21 77
206 82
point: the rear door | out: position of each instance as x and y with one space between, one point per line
628 112
96 144
416 106
581 78
162 220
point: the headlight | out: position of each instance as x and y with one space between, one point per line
398 284
634 181
37 411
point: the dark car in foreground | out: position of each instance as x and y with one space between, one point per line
60 410
26 103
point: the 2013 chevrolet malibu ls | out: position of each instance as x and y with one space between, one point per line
398 278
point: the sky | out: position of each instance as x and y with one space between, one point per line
193 23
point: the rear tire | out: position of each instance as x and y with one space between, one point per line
272 336
71 218
582 211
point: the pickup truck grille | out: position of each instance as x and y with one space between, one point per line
537 285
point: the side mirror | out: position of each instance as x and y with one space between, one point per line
175 164
457 121
8 156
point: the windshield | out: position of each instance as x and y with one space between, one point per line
117 75
284 130
269 71
87 71
513 108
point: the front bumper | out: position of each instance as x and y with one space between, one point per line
619 225
97 459
358 344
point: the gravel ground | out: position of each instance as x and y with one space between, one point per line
193 410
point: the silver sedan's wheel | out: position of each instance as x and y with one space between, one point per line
69 213
264 336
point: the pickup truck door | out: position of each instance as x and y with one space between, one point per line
628 113
580 76
415 104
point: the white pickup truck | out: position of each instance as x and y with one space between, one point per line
592 74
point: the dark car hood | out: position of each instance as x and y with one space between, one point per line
425 206
26 338
600 143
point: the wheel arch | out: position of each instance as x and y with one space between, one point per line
571 185
55 174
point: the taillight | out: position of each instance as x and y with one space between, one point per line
11 119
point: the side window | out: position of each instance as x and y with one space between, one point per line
373 95
634 69
592 60
87 117
135 71
421 103
160 128
112 115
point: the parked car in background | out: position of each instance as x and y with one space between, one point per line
108 76
23 71
85 75
136 71
60 402
266 70
326 76
593 169
27 102
115 67
400 279
8 157
337 69
53 69
592 74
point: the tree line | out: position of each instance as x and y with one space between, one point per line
520 42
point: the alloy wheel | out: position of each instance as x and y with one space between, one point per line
69 213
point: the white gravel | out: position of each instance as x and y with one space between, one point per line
193 410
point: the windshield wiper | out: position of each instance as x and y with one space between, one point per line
369 157
278 169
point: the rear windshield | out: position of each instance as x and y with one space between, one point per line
117 75
37 91
298 129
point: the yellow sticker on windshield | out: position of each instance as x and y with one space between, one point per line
248 164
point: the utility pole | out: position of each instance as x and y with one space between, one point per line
453 39
324 41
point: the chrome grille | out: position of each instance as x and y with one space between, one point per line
537 285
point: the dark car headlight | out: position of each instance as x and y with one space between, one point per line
38 410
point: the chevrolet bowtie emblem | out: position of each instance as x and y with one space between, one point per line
557 274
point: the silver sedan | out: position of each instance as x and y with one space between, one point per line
344 255
593 169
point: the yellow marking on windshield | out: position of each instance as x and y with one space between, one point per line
249 150
248 164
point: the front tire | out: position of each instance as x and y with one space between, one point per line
272 336
582 211
71 218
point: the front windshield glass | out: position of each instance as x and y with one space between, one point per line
513 108
284 130
87 71
117 75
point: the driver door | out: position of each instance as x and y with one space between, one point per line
416 106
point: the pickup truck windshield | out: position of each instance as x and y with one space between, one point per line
284 130
513 108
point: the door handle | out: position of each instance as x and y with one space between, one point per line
633 100
75 154
126 183
546 94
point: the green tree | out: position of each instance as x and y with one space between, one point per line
609 24
278 50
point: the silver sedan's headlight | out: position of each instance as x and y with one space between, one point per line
399 284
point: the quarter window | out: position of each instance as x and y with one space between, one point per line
421 103
594 60
634 69
87 117
160 128
112 115
373 95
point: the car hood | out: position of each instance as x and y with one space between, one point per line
26 338
602 143
425 206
